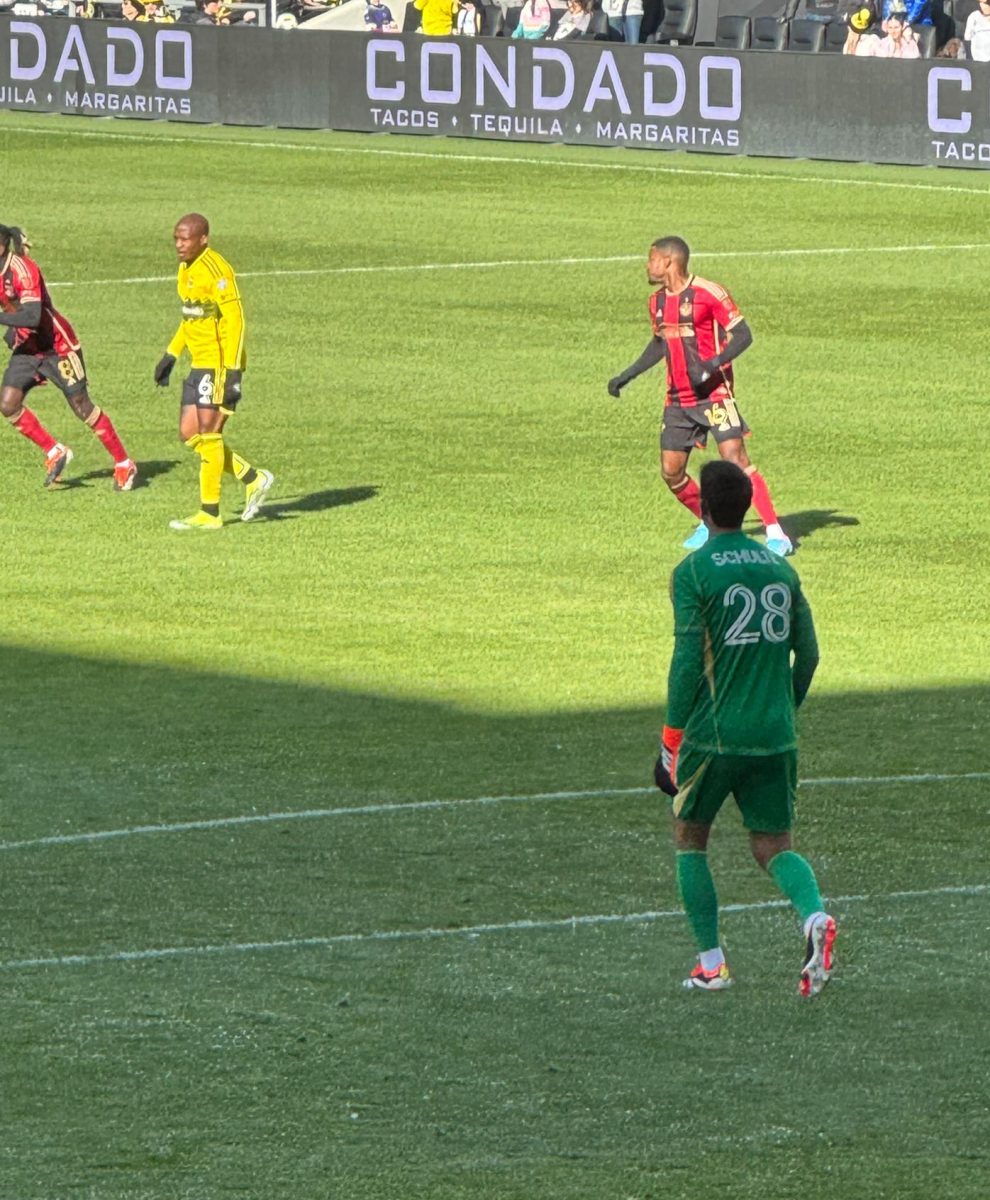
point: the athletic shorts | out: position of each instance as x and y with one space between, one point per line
687 429
203 387
66 371
763 786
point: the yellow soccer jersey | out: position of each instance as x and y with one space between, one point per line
212 327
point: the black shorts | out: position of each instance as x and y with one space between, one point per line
66 371
687 429
203 387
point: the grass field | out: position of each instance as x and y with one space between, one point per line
327 862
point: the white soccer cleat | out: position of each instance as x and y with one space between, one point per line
256 493
817 969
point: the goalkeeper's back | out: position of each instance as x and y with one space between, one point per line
739 616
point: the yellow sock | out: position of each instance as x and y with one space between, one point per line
233 464
210 451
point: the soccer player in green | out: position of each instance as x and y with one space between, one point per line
744 655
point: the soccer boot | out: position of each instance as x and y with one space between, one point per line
698 538
56 460
817 969
256 492
199 520
708 981
780 545
124 475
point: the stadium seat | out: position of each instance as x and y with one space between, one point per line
677 26
768 34
491 20
836 33
806 35
732 33
926 35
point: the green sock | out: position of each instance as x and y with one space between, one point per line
795 878
697 888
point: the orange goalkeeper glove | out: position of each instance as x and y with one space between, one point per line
665 770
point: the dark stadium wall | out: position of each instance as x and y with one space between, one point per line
589 93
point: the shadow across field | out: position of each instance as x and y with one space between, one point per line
147 471
462 1067
297 745
313 502
801 525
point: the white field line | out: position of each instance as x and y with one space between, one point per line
365 810
407 935
922 248
457 156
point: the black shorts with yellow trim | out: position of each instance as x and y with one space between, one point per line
763 786
66 371
687 429
203 388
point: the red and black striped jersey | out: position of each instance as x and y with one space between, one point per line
21 282
693 323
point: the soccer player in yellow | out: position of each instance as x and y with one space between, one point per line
212 330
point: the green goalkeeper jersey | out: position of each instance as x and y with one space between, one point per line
744 648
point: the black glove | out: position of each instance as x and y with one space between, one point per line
231 388
700 373
616 385
163 372
661 777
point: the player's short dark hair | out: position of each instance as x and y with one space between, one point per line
726 493
676 246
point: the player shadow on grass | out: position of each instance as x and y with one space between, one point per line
801 525
146 472
279 510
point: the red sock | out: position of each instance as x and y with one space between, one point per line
105 431
29 425
689 495
761 499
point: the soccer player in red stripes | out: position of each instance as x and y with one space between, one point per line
699 331
45 348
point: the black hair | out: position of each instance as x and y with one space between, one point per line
11 237
676 246
726 493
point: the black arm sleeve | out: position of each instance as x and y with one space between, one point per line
28 316
654 353
740 339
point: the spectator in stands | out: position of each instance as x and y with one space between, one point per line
862 38
576 19
625 17
212 12
132 10
977 32
156 12
953 48
378 17
534 20
917 12
438 16
900 41
85 11
468 23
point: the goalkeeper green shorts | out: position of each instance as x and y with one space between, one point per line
763 786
